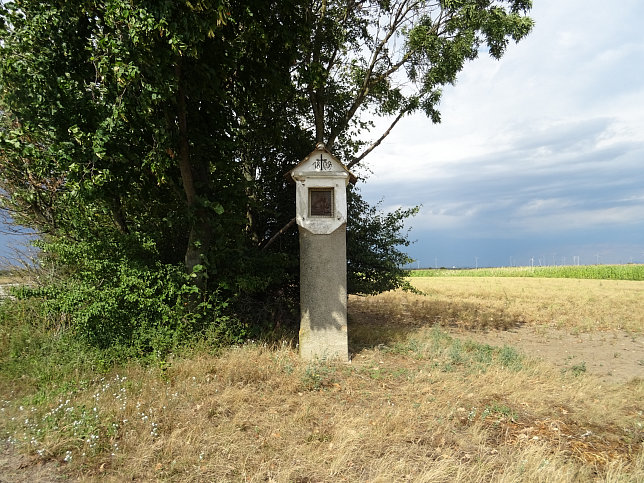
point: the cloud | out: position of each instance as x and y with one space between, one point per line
548 142
563 176
575 219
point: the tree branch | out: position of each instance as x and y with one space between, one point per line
369 80
283 230
378 141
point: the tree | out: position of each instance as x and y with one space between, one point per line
138 136
391 58
129 104
124 140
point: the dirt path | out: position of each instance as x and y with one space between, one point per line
19 468
613 356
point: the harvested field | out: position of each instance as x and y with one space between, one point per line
590 325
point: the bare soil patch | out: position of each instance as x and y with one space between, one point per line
19 468
614 356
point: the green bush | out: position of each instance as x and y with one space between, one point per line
129 303
374 242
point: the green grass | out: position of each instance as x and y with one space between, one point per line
597 272
37 357
448 353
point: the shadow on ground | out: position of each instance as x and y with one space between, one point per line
379 320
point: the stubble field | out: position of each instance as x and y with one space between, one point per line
568 322
426 397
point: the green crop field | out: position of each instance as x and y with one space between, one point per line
597 272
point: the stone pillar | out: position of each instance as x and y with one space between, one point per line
321 212
323 295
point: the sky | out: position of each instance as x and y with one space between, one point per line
539 158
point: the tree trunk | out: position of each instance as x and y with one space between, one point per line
200 237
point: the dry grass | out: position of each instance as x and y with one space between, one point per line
501 303
425 409
13 278
414 405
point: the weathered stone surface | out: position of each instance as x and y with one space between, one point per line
321 170
323 295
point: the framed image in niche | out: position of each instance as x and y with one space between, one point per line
321 202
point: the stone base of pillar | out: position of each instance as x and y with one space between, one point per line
323 295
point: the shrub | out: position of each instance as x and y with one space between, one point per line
128 303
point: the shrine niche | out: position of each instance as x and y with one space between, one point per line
321 202
321 191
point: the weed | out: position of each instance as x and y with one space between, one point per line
376 373
577 369
498 409
318 376
401 372
510 358
483 353
456 356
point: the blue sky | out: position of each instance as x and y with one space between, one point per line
539 157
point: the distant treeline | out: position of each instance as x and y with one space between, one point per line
601 272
